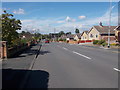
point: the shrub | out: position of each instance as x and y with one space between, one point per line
64 40
113 44
101 42
60 39
23 41
104 44
95 41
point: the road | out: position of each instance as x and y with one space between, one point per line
64 65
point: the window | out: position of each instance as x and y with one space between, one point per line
96 36
91 35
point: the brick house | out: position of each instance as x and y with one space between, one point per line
84 35
77 36
117 33
101 32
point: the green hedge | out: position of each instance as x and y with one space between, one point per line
100 42
95 41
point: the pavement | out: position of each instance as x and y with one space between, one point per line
15 69
61 65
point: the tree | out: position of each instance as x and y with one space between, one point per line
77 31
61 33
9 28
68 33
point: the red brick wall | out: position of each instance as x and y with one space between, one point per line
112 38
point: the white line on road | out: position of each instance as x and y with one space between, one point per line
116 69
64 48
81 55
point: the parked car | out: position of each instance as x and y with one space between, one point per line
47 41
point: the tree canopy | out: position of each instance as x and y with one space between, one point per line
68 33
61 33
77 30
10 26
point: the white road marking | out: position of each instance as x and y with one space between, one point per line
64 48
81 55
116 69
104 48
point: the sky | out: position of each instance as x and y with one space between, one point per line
45 17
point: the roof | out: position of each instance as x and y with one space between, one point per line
85 32
63 36
117 28
28 36
104 29
70 36
78 35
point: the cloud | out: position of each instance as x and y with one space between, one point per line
104 19
67 24
19 11
68 19
61 21
81 17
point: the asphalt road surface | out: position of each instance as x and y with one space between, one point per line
63 65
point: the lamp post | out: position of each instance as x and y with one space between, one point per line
54 35
109 24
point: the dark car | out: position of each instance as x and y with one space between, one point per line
47 41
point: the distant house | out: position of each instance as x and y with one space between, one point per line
63 36
77 36
84 35
26 36
117 33
101 32
70 36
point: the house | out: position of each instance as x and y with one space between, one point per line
63 36
101 32
117 33
84 35
70 37
77 36
26 36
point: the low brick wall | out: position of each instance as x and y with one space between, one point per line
16 50
73 42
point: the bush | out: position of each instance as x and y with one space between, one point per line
64 40
100 42
95 41
113 44
24 41
104 44
60 39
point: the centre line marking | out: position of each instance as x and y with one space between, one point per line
64 48
81 55
116 69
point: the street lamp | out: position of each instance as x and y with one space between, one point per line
54 34
109 25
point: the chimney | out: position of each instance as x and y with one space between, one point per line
101 24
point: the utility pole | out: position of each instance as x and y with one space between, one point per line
109 24
54 34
